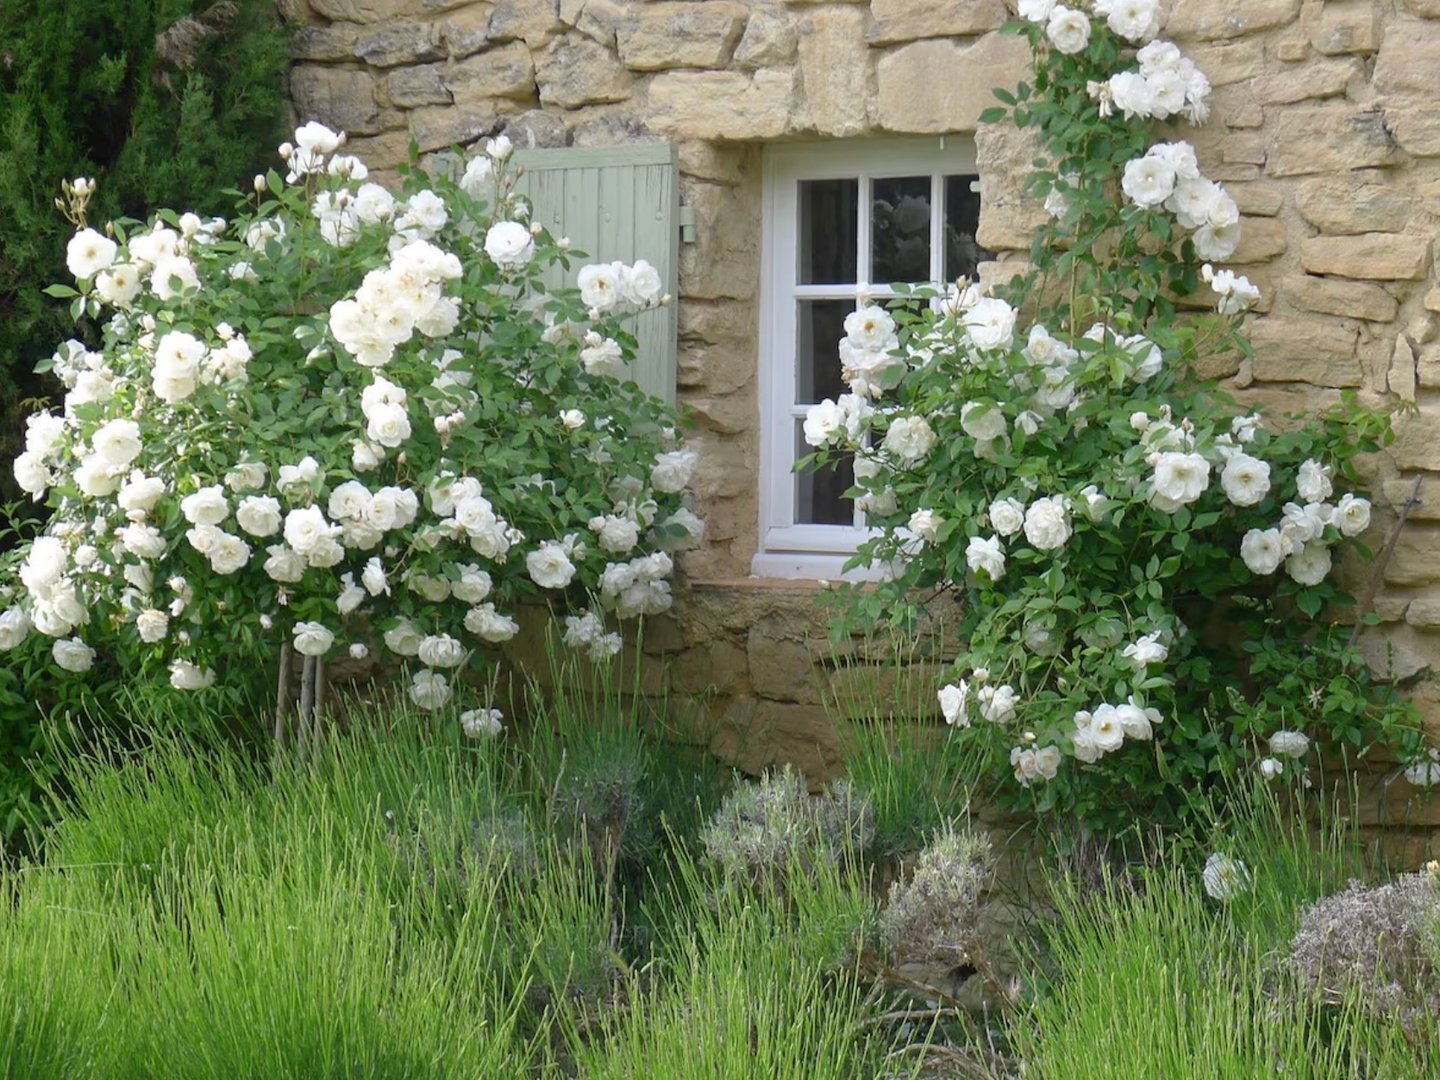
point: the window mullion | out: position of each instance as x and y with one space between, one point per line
863 207
937 229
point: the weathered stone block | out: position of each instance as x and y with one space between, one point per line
721 104
333 42
727 415
1260 239
1416 128
897 21
1309 350
1416 447
1416 558
1408 59
596 19
1316 79
506 72
340 98
1373 256
537 130
422 85
1329 138
437 127
533 21
1228 18
1008 215
781 670
465 31
1396 493
769 41
392 43
1426 9
1261 200
1424 612
1350 299
362 11
942 86
1352 26
577 71
756 734
1227 62
1363 202
835 70
681 35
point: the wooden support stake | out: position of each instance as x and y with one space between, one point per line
307 702
322 693
282 693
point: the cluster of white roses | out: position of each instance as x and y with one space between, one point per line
1168 175
1307 531
1068 29
163 478
1284 744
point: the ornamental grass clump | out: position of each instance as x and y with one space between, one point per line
1145 565
768 829
1381 943
344 407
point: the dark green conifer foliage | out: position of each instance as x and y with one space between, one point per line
164 102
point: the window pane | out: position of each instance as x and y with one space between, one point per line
819 493
900 230
828 223
817 350
962 221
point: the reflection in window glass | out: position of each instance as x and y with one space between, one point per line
900 230
962 221
821 325
820 493
828 222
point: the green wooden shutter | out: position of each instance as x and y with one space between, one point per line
616 203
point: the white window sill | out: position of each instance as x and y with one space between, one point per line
811 566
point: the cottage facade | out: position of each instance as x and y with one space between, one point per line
815 146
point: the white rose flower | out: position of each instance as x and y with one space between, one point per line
478 723
693 526
997 703
373 578
990 323
953 698
207 506
549 566
982 420
823 423
312 639
472 586
31 474
1271 767
618 535
89 252
1047 523
479 173
284 565
15 627
1245 479
429 690
1224 877
1145 650
604 358
73 655
1293 744
925 524
441 651
388 425
142 541
350 597
228 553
1215 243
139 496
909 438
403 639
1096 503
152 625
1178 480
1310 565
1068 30
510 245
1134 20
1313 481
643 286
187 676
986 555
1007 516
488 624
117 443
259 515
572 419
601 286
96 479
1133 721
1148 181
1263 550
1106 731
1036 11
1302 524
306 529
672 470
1352 515
247 476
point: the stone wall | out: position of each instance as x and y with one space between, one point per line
1325 129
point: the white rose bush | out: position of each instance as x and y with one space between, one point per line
1143 565
345 412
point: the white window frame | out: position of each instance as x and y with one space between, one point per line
788 549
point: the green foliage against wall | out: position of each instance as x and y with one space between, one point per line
163 102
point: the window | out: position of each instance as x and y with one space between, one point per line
838 215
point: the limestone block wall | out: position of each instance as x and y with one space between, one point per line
1325 129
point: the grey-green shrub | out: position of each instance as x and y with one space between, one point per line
933 914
